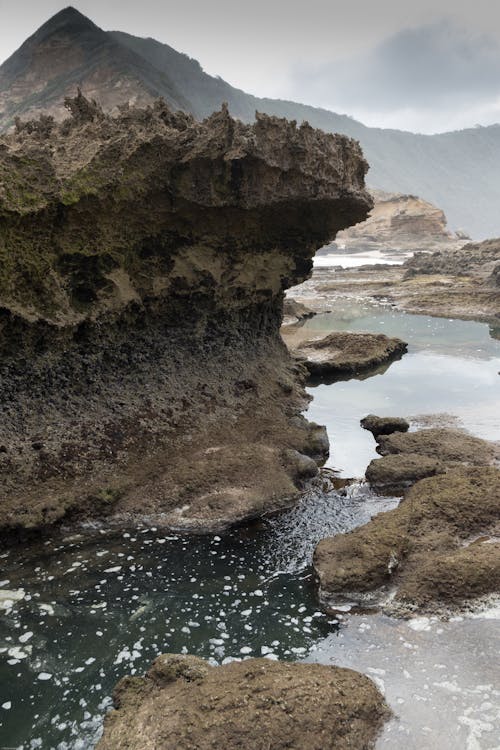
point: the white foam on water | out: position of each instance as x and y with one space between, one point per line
442 683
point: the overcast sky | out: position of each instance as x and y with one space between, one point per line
430 65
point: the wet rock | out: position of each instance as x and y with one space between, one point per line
254 705
345 353
458 283
317 444
421 550
399 471
300 466
476 259
140 312
408 457
384 425
451 446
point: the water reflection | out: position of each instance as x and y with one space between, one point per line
451 367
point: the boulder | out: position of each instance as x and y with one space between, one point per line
343 353
182 703
384 425
408 457
421 556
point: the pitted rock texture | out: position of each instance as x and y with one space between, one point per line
184 703
384 425
436 551
143 261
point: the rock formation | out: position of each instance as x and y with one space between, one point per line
345 353
116 68
184 703
478 260
143 263
410 456
460 283
437 550
384 425
400 223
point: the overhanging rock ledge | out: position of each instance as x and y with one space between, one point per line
143 261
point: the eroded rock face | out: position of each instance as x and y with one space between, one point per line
182 703
436 550
142 266
401 222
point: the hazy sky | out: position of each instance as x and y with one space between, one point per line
429 65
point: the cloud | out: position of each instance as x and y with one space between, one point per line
419 76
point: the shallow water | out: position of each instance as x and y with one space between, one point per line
451 368
354 260
100 606
440 678
97 606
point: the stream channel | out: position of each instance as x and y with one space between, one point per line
86 609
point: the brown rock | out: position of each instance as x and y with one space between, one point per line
418 548
253 705
394 473
384 425
408 457
345 353
140 311
398 223
449 445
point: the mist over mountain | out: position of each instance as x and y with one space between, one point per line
436 78
458 171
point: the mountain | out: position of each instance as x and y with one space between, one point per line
69 51
457 171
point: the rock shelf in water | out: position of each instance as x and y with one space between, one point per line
410 456
256 704
143 263
345 353
436 551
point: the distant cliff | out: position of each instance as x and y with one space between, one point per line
456 171
401 223
143 261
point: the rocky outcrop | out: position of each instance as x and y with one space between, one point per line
478 260
143 263
437 550
461 283
384 425
256 704
408 457
400 223
344 353
295 312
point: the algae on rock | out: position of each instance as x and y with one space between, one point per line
144 260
